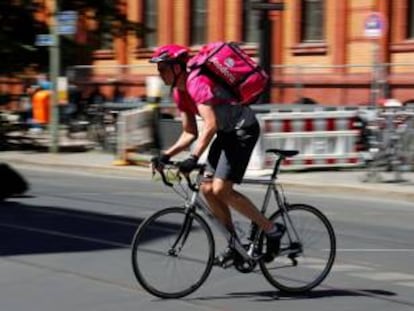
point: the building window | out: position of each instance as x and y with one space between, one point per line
106 39
198 15
251 33
410 19
150 23
312 21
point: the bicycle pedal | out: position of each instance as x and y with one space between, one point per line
227 264
223 262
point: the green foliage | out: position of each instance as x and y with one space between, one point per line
18 30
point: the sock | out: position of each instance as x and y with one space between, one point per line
274 231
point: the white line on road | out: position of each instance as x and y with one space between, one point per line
347 267
408 284
376 250
384 276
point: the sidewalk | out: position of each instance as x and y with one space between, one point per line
333 181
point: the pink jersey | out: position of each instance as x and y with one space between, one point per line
200 90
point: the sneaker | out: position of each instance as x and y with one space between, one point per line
273 243
225 259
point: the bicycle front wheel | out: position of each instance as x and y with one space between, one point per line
172 253
307 250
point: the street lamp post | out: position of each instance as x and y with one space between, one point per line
265 45
54 68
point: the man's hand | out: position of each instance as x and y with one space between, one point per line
159 161
188 164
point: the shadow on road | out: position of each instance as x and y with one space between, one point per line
27 229
314 294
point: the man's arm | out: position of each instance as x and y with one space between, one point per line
188 135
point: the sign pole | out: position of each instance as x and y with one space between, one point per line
375 74
374 28
54 68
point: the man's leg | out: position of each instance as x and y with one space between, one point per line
222 191
219 208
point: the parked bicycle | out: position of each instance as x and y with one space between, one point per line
99 125
173 250
390 145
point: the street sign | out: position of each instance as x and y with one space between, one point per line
374 25
44 40
62 89
67 22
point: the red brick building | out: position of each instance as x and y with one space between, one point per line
320 51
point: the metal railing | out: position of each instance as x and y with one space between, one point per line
390 144
377 80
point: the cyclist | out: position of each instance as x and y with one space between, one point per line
236 129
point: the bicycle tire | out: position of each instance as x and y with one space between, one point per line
317 255
168 272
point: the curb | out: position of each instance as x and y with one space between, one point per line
367 192
140 169
129 171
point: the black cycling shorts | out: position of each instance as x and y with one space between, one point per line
230 153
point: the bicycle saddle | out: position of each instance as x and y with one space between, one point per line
283 153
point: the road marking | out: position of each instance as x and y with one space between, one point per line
408 284
374 250
384 276
345 268
319 264
66 235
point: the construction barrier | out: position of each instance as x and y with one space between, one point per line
324 139
134 129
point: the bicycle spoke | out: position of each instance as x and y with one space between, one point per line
313 260
170 260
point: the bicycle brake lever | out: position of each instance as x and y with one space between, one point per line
164 179
190 184
162 174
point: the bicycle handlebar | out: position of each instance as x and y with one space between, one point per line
176 165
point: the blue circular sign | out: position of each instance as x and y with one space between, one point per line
374 25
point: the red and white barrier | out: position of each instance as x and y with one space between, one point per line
324 139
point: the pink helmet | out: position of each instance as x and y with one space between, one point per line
170 53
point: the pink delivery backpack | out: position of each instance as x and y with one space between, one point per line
231 66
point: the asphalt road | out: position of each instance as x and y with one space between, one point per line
65 246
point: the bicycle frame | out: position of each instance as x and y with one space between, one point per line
195 202
191 228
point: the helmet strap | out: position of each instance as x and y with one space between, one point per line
176 76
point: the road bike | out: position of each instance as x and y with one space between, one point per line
391 144
173 250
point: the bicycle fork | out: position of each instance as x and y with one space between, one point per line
182 236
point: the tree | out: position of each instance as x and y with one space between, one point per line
18 28
111 22
20 23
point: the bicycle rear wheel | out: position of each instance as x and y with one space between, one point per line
172 253
307 250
